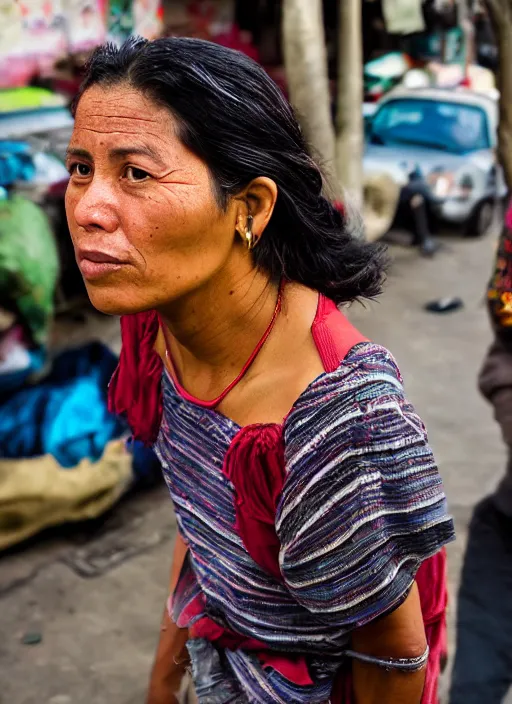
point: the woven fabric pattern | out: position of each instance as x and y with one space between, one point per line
361 508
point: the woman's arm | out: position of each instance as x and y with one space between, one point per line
171 658
397 636
354 530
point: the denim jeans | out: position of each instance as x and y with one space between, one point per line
214 682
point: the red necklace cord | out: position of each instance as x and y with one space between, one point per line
217 401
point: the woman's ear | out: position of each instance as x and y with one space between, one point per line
260 199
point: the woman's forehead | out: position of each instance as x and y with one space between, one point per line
122 109
119 123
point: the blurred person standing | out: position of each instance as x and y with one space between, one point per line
495 379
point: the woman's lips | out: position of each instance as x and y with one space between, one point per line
95 264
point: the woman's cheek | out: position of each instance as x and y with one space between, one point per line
70 203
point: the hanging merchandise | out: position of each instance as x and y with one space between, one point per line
203 19
120 21
32 38
440 14
448 46
85 21
403 16
44 32
11 27
36 34
147 18
456 46
16 68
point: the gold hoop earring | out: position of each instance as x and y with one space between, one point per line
250 238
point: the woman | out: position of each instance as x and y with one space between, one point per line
305 492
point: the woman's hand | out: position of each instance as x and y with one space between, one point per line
401 634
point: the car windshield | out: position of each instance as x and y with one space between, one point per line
450 126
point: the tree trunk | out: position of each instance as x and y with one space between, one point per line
350 127
500 12
465 22
305 59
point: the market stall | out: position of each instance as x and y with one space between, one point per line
63 456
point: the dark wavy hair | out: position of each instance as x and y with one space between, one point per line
234 117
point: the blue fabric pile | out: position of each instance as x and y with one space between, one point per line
16 162
66 415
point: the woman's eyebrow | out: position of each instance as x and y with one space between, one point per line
123 152
119 153
81 153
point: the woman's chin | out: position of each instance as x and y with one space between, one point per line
114 303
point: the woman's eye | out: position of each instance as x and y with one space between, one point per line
81 170
134 174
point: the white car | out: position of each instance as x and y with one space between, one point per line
447 140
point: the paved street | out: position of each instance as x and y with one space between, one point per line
440 356
98 631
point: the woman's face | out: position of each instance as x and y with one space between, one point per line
144 221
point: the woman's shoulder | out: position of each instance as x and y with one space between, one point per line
369 371
356 412
367 359
360 481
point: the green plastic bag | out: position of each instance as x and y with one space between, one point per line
29 264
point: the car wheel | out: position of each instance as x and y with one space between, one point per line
481 220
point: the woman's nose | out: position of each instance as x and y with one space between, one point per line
96 208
